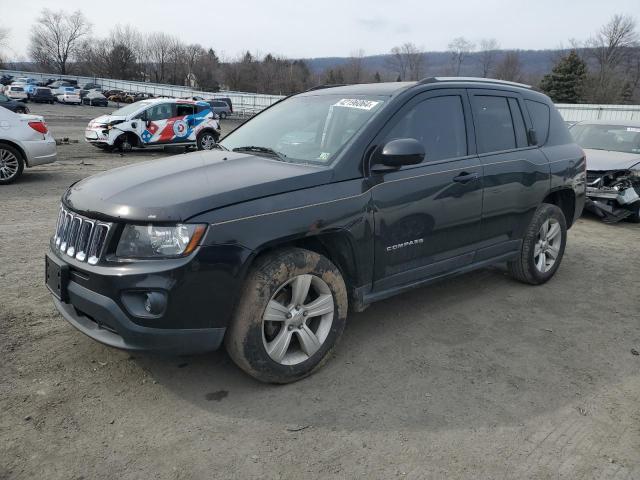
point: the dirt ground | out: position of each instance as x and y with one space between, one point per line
478 377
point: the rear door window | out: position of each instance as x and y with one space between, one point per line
493 122
539 113
518 123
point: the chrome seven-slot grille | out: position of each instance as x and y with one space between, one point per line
80 237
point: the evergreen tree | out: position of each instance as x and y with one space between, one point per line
565 83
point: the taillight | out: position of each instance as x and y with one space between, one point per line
40 127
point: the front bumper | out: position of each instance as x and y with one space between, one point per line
102 301
101 318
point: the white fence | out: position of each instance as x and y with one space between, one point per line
243 103
579 112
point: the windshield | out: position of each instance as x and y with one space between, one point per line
306 129
617 138
131 108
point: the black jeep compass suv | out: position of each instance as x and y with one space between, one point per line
328 200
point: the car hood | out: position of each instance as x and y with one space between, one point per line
607 160
179 187
106 119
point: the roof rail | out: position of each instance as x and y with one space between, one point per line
328 85
472 79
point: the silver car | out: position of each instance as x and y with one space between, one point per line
25 141
220 108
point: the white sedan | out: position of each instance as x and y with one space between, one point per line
69 96
25 141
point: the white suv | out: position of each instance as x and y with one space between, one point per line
25 141
156 122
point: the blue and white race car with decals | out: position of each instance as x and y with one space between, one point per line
156 122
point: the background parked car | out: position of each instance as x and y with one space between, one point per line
227 100
91 86
15 92
13 105
6 79
95 99
59 84
113 91
220 108
69 95
25 141
42 95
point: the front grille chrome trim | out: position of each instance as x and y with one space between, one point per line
80 237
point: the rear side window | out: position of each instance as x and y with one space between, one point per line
494 126
182 110
437 123
540 118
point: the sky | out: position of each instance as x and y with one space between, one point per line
305 29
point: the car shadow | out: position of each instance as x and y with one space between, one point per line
455 354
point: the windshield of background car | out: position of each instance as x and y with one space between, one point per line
307 129
616 138
131 108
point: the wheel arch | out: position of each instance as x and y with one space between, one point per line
17 147
565 199
337 246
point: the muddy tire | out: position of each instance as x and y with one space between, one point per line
123 144
542 247
291 315
635 216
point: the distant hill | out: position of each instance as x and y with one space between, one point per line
535 63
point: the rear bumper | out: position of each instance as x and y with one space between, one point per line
101 319
40 152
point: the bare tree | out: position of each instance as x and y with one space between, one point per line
4 34
510 67
56 38
407 61
460 48
158 51
488 52
609 49
354 69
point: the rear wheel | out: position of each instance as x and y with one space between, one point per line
11 164
20 110
206 140
542 247
290 317
635 216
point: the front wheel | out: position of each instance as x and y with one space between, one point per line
206 140
291 315
542 246
11 164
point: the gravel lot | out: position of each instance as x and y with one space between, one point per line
475 377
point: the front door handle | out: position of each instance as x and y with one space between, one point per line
465 177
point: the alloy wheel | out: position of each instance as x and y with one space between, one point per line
298 319
208 141
547 247
9 164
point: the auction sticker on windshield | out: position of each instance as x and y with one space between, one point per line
356 103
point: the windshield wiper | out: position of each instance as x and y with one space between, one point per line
263 150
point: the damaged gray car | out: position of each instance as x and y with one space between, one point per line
612 149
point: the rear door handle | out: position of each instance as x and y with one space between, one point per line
465 177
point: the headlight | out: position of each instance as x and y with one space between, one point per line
158 241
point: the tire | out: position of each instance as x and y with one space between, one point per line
635 217
272 281
11 164
223 115
20 110
206 140
540 256
123 144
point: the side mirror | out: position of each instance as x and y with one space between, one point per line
532 137
399 152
